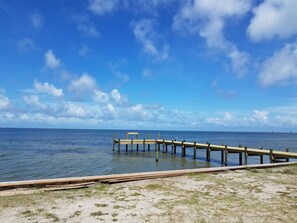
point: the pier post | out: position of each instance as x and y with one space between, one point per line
119 145
194 152
245 156
157 152
163 146
172 147
126 147
240 156
261 156
158 146
131 145
143 145
226 155
287 159
137 147
222 156
149 145
183 149
271 156
166 148
208 152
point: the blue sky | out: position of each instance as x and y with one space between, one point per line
136 64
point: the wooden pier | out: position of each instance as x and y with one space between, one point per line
172 145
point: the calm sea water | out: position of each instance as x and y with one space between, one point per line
51 153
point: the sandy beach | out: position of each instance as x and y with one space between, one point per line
264 195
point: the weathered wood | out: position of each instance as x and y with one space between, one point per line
131 145
240 155
131 176
194 150
271 157
183 149
226 155
246 154
119 145
287 159
261 157
208 152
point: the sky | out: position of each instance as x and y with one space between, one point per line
206 65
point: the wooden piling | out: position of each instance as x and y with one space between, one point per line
208 152
131 145
149 146
126 147
163 146
261 157
166 148
226 155
143 145
157 152
194 151
271 156
172 148
287 159
119 145
245 156
240 155
183 149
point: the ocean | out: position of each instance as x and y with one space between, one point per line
27 154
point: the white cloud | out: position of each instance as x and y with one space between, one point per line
281 68
73 110
51 61
261 116
116 96
25 45
48 89
4 101
208 18
84 84
101 96
102 7
273 18
33 100
36 20
145 34
226 120
85 26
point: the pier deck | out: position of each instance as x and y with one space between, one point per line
274 155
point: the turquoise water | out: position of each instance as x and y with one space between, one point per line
50 153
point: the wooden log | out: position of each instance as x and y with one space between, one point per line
137 147
172 148
166 148
163 146
126 147
226 155
131 145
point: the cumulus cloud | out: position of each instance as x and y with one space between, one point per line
273 18
281 67
48 89
36 20
102 7
33 100
226 120
116 96
84 84
51 61
101 96
208 18
73 110
4 101
152 44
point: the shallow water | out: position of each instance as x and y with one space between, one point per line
51 153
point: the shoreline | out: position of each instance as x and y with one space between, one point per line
251 195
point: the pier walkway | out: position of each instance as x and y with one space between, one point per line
243 152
